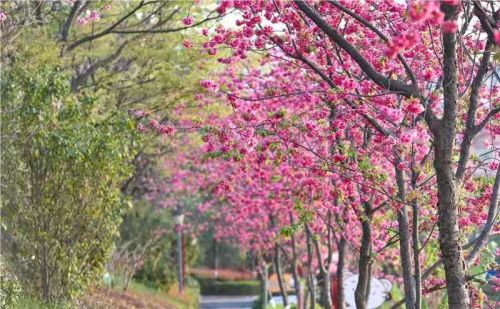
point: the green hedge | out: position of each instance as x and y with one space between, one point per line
219 287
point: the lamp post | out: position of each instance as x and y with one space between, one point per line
178 220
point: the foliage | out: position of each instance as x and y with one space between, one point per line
219 287
10 289
62 168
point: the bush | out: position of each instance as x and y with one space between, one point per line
218 287
10 290
61 203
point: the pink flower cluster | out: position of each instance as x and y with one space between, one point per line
187 43
421 12
188 20
414 108
210 85
392 114
400 43
92 16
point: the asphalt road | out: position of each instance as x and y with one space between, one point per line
227 302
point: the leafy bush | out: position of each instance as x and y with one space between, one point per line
10 289
62 167
218 287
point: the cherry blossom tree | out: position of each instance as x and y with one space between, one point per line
412 75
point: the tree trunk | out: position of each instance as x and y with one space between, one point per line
404 239
340 273
279 275
69 20
312 290
326 294
363 287
327 290
444 138
416 244
45 274
265 285
310 274
295 273
452 254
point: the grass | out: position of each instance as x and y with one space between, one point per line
27 302
188 300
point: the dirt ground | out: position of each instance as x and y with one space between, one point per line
106 298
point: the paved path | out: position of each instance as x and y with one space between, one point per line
227 302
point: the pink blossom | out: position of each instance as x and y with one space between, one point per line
339 158
94 16
153 123
210 85
414 108
497 37
187 43
3 16
142 128
394 115
493 166
165 129
188 20
82 20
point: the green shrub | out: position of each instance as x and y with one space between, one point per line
10 289
218 287
61 171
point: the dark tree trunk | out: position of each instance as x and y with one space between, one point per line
363 288
326 294
444 138
310 274
416 250
45 274
69 20
265 284
295 272
279 275
452 254
340 273
404 239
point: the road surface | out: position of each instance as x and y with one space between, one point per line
227 302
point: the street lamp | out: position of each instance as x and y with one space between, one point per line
179 220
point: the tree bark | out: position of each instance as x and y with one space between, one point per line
363 288
69 20
340 273
279 275
295 273
416 244
444 138
265 284
325 276
45 273
404 239
310 274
